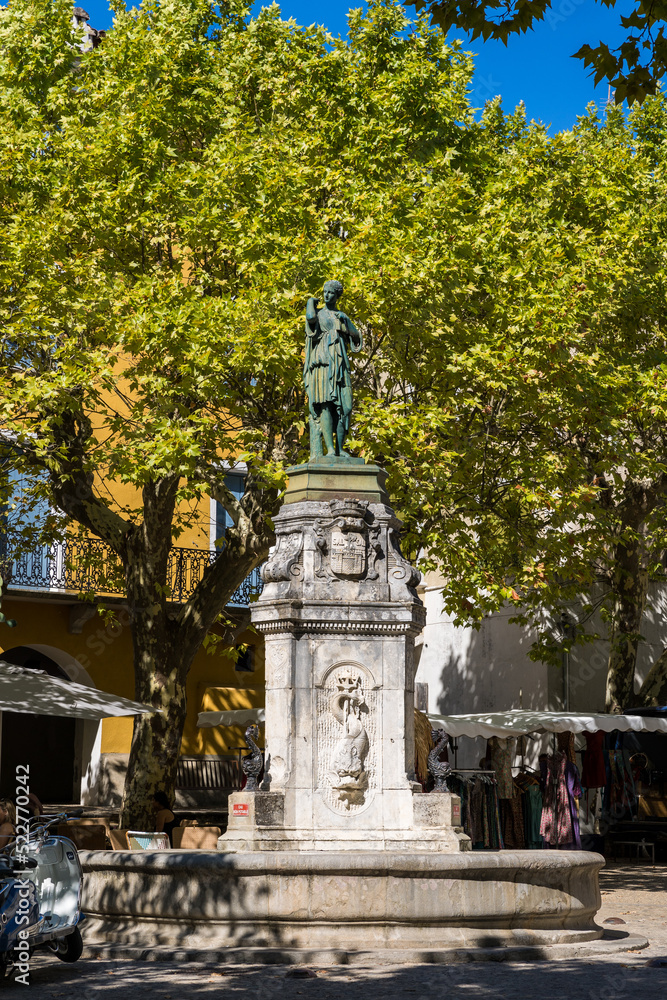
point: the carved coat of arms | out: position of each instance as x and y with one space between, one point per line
348 553
344 541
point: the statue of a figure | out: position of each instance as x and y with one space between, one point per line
330 334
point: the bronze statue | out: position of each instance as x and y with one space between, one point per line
330 335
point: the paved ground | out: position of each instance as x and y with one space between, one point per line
635 893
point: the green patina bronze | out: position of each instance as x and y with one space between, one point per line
330 335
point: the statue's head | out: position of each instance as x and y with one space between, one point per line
332 292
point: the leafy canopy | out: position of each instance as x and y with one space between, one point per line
530 447
169 201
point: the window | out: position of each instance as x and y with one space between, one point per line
235 484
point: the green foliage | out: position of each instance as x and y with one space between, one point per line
170 200
527 449
633 69
168 203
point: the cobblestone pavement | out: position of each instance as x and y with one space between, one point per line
635 893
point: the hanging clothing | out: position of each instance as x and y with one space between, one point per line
487 831
531 803
594 772
566 745
500 754
511 816
479 809
560 815
620 795
532 817
593 809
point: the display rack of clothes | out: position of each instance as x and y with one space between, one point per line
530 790
565 813
480 815
500 755
561 789
593 781
620 797
608 778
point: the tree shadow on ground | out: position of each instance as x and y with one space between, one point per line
626 977
642 876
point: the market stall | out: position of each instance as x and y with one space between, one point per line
522 808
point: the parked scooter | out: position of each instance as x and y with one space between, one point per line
40 898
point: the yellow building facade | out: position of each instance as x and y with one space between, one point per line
76 760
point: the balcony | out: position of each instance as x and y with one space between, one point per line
87 566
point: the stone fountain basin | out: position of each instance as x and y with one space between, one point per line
356 902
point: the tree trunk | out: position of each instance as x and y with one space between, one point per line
160 666
630 585
166 639
653 691
160 675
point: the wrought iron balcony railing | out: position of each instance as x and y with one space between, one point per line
88 566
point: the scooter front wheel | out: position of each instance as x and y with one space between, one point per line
68 949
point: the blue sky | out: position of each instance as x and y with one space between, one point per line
536 68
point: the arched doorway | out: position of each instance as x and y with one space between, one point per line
58 750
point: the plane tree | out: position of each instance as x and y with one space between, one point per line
168 202
171 199
528 452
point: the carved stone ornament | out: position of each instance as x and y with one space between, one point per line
343 540
346 739
277 657
399 568
283 563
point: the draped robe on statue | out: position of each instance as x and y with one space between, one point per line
326 370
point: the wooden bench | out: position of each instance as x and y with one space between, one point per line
85 836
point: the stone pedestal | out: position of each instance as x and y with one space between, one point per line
339 613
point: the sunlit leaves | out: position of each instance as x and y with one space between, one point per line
533 410
170 200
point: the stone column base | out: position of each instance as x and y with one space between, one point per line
256 823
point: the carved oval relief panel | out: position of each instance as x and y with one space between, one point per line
347 738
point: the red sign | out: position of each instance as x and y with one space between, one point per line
240 809
456 813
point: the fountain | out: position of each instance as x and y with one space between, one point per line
338 854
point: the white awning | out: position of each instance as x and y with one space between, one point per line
34 692
233 717
521 722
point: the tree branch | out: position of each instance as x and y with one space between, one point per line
247 545
72 483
